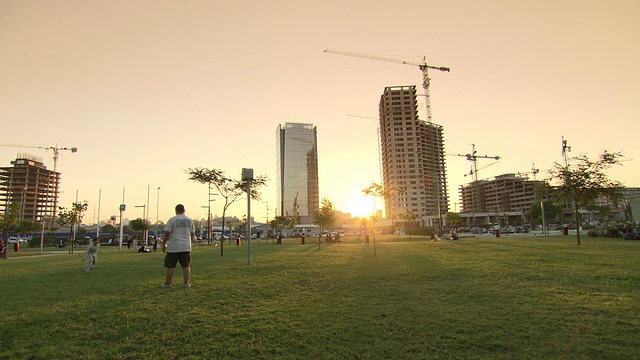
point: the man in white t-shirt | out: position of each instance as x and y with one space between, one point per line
178 234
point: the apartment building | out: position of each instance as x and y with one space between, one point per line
29 184
413 158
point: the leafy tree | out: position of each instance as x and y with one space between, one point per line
280 222
231 190
603 210
72 217
108 228
7 220
378 192
453 218
325 217
583 180
410 217
25 227
551 211
139 225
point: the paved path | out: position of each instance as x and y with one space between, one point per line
50 253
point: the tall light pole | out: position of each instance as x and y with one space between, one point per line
146 232
247 175
157 211
209 232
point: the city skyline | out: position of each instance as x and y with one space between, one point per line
147 89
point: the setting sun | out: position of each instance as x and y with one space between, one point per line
361 205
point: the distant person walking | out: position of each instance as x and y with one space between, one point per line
91 254
178 234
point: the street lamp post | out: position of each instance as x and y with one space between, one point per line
144 214
157 211
146 232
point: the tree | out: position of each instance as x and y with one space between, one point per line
139 225
603 210
72 217
280 222
453 218
378 193
25 227
583 180
551 211
410 217
325 217
231 190
7 220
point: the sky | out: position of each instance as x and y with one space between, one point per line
146 89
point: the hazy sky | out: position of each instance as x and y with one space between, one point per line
146 89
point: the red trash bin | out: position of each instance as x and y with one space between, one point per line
238 241
565 230
497 233
302 240
16 247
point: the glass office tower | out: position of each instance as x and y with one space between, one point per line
297 171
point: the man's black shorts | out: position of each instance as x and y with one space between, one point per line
171 259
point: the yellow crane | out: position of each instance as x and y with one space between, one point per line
55 149
423 66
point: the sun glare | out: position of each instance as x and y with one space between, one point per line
361 206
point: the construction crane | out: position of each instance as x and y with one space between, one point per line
473 157
378 135
423 66
55 149
533 171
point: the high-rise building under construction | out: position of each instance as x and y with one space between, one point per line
29 184
413 159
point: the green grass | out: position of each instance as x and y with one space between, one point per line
512 297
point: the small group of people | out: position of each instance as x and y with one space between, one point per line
330 239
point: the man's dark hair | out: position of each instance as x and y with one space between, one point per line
179 209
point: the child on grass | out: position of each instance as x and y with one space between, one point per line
91 254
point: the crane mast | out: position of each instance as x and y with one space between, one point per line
473 158
423 66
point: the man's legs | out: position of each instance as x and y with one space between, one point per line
170 272
186 274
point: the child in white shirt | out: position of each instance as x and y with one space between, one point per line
91 254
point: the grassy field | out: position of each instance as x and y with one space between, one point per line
512 297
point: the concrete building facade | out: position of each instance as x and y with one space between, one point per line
503 193
297 171
29 184
413 158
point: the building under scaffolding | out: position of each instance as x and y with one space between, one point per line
29 184
413 158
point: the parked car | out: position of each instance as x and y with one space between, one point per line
296 235
16 239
